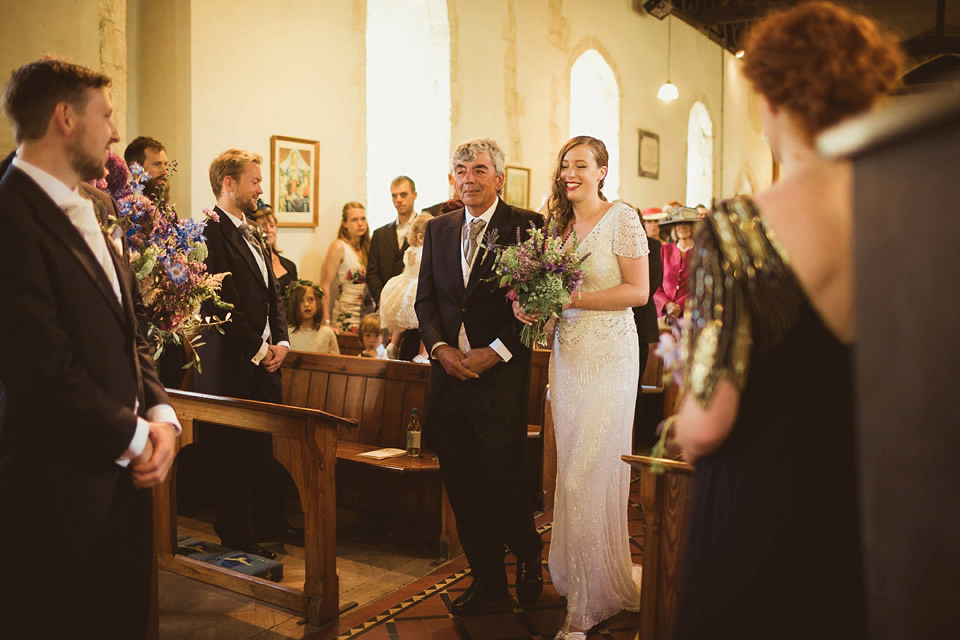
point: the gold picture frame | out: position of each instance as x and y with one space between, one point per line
294 187
516 187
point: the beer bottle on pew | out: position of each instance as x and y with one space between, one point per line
413 434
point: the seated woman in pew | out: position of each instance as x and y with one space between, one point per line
767 411
307 331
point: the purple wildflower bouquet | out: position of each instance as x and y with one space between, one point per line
540 273
167 254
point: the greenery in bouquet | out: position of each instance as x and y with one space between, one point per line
167 254
540 273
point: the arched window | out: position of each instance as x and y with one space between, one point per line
699 156
595 110
408 102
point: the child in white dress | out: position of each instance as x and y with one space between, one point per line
400 291
307 331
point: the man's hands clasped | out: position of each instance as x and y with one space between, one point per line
150 468
466 366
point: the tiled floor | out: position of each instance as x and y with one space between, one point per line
418 610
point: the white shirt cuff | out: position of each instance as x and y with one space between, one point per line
164 413
157 413
501 350
261 354
137 443
284 343
436 345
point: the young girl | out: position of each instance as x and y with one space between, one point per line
307 331
400 292
371 337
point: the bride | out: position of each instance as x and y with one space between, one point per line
594 370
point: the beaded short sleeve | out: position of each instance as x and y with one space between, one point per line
629 238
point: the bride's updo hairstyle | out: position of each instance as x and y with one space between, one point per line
822 63
558 206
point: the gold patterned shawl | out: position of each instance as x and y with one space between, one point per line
743 298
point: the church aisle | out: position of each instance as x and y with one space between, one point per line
418 611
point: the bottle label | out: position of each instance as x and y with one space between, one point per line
413 440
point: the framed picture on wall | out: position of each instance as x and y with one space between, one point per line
648 162
294 168
516 187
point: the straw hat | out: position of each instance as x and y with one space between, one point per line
681 214
653 214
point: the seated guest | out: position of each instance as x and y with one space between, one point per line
673 292
283 268
372 338
149 153
400 292
774 545
307 331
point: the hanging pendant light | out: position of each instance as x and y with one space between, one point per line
668 91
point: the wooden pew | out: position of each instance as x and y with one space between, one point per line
379 395
666 501
304 442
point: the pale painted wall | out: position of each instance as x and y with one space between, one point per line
64 28
208 75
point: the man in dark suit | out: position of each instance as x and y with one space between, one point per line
244 361
387 246
476 407
648 331
88 425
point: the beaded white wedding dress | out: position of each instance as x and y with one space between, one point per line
594 370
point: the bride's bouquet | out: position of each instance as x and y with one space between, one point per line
540 273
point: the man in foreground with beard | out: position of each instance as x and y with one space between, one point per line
88 427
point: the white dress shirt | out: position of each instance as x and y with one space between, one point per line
80 212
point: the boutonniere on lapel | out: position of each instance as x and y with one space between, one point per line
540 273
167 254
489 241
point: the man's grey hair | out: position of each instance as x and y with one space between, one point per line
469 150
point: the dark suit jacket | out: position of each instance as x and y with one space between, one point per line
226 358
443 304
646 316
385 259
72 373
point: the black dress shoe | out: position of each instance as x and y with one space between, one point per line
529 580
254 549
477 598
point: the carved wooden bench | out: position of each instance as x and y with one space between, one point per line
304 442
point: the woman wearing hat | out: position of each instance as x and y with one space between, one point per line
672 294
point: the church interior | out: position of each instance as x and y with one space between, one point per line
383 88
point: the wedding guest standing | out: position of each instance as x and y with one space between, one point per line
244 360
346 262
675 256
767 411
86 425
